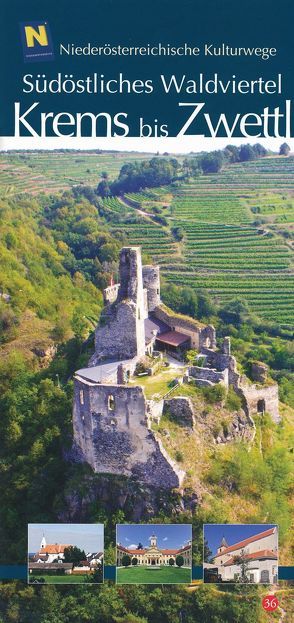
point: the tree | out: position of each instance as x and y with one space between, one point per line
103 189
126 560
130 618
259 150
96 577
134 561
284 149
212 162
243 562
191 356
207 553
231 153
178 233
246 153
140 545
74 554
179 560
171 562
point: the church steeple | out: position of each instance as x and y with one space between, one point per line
222 546
43 542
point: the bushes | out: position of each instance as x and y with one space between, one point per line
233 401
214 394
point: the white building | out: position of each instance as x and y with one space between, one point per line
52 552
261 553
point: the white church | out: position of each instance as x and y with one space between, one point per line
260 551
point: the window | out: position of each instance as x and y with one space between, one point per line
261 406
111 403
81 396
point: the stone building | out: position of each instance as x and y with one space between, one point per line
111 416
153 555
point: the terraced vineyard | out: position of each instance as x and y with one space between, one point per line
37 172
230 245
231 222
154 239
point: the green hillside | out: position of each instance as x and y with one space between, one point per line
36 172
235 237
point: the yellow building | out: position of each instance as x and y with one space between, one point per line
153 555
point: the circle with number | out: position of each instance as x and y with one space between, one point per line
270 603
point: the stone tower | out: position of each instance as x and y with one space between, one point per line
120 334
151 281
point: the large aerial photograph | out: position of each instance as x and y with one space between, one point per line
146 375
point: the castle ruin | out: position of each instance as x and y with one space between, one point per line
111 415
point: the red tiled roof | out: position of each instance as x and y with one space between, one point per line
265 553
132 551
173 338
165 552
250 539
183 549
53 549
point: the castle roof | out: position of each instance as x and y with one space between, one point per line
153 324
251 539
173 338
99 374
263 554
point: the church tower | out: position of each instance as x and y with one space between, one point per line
222 546
43 542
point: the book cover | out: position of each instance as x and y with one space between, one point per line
146 312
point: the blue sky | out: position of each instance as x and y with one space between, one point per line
169 536
85 536
232 533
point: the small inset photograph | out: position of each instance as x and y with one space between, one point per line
65 553
154 553
240 553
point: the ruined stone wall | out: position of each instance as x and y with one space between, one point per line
116 337
110 294
151 281
121 333
208 374
181 410
207 337
254 396
110 428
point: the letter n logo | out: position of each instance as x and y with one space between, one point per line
36 41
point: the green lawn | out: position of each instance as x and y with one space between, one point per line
59 579
151 575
